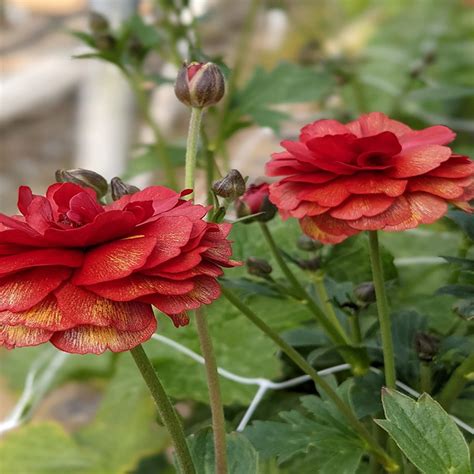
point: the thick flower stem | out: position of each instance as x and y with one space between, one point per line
383 310
336 332
425 377
191 148
218 419
217 410
165 409
319 381
456 383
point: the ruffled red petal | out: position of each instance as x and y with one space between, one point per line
22 290
87 308
96 340
21 336
114 260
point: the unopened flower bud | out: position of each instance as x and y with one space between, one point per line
365 292
98 23
311 264
258 267
256 200
105 42
119 189
426 346
307 243
231 186
199 84
82 177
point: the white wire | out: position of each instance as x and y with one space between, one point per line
30 392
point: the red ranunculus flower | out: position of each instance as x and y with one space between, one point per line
370 174
85 276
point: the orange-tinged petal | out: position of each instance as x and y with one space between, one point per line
358 206
205 291
374 183
327 195
45 315
21 336
425 209
114 260
86 308
21 291
398 212
137 285
96 340
445 188
326 229
418 160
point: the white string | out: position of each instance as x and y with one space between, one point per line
31 393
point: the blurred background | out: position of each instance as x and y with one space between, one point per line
412 59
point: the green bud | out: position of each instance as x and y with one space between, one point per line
258 267
119 189
365 292
231 186
82 177
307 243
98 23
105 42
426 346
199 84
311 264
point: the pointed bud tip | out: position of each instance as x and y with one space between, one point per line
230 186
83 177
119 188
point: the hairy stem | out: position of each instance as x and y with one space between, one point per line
191 148
218 419
165 409
383 310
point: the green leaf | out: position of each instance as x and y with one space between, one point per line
464 220
438 93
287 83
241 455
43 449
350 261
124 429
461 291
148 161
320 428
425 433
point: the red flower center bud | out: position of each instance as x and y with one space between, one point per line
193 68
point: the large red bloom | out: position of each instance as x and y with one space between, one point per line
85 276
370 174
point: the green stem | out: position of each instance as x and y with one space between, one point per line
165 409
355 328
217 410
456 383
425 377
210 164
218 419
336 332
191 148
318 279
159 140
319 381
383 311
